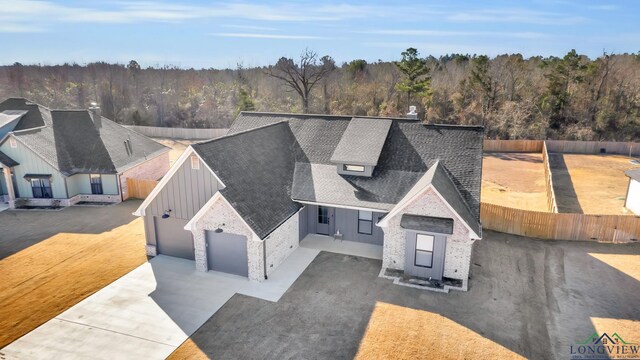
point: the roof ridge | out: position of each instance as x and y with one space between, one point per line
350 117
446 173
241 132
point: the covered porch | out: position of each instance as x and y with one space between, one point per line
330 244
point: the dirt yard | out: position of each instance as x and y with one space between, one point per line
177 147
527 299
591 184
514 180
50 261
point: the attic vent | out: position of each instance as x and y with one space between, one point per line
127 147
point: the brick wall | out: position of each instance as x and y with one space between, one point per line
459 245
282 242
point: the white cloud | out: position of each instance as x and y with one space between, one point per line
521 16
268 36
445 33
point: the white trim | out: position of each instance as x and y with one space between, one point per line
165 179
385 221
11 134
191 225
340 206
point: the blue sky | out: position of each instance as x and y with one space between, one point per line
205 34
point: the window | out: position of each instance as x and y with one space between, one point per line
41 188
424 250
13 143
323 215
356 168
195 163
96 183
365 222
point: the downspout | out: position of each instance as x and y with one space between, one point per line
264 258
119 176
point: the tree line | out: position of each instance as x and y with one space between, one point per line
571 97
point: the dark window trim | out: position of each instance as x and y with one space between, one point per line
324 216
365 220
96 186
41 191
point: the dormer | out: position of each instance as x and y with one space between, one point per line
359 148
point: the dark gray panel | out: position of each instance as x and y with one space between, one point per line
439 248
227 253
427 223
172 239
311 218
347 222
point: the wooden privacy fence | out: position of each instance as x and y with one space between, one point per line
513 146
179 133
552 206
139 188
554 226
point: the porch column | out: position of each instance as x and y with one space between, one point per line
9 181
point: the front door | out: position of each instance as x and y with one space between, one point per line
424 255
324 217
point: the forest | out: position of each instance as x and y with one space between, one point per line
571 97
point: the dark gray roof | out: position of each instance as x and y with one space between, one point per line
6 160
256 166
427 223
36 115
411 148
322 183
446 187
70 142
362 141
634 174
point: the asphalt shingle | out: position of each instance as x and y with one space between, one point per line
362 142
6 160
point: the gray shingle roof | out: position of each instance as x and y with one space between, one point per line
362 141
36 114
410 149
257 168
71 143
427 223
634 174
6 160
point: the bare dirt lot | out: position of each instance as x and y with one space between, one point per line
177 147
528 298
590 184
51 260
514 180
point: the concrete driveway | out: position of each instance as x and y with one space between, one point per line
145 314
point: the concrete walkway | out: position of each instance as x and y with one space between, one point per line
328 243
149 312
146 314
3 207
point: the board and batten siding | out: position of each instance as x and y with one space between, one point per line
81 184
185 193
31 163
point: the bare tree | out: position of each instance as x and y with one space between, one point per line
301 77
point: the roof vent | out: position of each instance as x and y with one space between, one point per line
412 114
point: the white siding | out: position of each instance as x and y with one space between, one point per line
633 197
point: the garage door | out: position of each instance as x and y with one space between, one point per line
172 239
227 253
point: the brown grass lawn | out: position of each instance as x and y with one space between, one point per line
599 182
44 279
514 180
397 332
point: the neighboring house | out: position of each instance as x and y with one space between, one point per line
63 157
242 203
632 201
